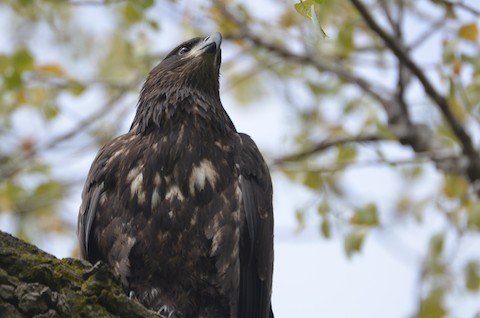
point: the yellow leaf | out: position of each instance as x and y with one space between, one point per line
39 95
288 19
21 98
456 67
455 187
469 32
51 69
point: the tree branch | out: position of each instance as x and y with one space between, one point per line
36 284
328 143
446 160
419 137
467 146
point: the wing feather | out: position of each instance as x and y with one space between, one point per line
92 191
256 255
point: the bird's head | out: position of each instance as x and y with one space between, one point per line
186 80
193 65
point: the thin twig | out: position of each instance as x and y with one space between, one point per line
339 166
328 143
384 4
432 29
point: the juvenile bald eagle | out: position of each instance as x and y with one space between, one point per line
181 206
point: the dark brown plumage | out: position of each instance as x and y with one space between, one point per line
181 206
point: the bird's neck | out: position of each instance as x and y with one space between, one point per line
176 108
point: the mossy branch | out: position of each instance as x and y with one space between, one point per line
36 284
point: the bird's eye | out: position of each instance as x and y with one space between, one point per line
183 50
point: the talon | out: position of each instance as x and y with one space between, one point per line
164 310
170 314
175 314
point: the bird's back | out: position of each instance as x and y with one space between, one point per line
168 215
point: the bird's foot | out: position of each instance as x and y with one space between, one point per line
165 310
131 295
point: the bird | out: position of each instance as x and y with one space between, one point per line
180 206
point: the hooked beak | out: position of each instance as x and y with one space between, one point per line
212 43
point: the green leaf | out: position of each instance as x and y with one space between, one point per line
353 242
145 4
23 60
131 13
51 112
437 243
304 8
300 216
473 219
346 154
325 228
307 9
49 188
432 306
455 103
154 24
472 276
345 38
4 63
313 180
323 208
367 215
13 80
10 194
76 88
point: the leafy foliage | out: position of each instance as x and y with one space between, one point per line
358 102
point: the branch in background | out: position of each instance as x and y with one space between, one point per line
402 73
321 65
88 2
385 5
449 162
417 136
435 27
473 170
326 144
9 170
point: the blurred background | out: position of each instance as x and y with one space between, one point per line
367 113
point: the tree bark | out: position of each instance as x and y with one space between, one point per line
36 284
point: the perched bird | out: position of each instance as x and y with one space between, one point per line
181 206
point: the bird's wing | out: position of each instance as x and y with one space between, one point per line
90 198
256 246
